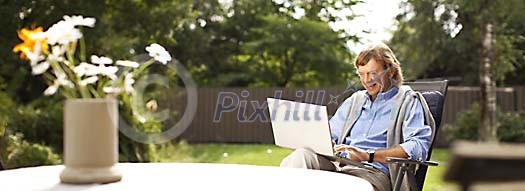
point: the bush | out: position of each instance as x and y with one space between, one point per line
130 150
511 126
16 151
6 110
31 134
39 123
25 154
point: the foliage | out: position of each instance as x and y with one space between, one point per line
130 150
443 39
58 54
228 49
20 14
23 154
19 151
218 43
282 57
208 37
39 122
6 111
33 132
511 126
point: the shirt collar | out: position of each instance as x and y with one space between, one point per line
386 95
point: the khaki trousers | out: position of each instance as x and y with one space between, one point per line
304 158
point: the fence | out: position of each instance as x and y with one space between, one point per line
228 128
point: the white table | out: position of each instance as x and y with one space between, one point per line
189 176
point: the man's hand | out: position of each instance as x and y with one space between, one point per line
354 153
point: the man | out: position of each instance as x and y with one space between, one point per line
385 120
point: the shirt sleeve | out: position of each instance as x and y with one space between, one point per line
338 120
416 134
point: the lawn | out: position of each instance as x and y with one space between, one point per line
271 155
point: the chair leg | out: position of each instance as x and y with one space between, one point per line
1 165
400 176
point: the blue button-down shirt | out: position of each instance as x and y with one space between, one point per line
370 129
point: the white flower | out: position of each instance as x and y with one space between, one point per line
86 69
57 53
127 63
128 83
39 36
35 56
159 53
62 33
109 71
100 60
51 90
89 80
40 68
78 20
65 32
111 90
60 81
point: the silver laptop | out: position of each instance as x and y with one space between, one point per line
303 125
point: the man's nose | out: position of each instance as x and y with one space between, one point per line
368 78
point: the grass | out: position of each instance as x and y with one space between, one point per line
267 155
434 179
271 155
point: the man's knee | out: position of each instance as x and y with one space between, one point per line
303 154
300 158
307 153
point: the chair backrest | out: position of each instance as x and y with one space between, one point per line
434 93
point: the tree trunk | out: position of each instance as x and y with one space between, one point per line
489 126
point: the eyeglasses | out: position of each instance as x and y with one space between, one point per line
373 74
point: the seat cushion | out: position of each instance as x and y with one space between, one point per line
435 103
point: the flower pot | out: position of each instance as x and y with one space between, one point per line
90 141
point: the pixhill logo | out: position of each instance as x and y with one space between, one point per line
228 102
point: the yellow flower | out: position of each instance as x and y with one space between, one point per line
30 38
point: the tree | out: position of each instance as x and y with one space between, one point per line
489 124
300 53
228 49
442 39
121 26
456 37
221 45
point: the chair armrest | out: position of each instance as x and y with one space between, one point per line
410 161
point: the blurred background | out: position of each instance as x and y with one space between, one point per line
264 46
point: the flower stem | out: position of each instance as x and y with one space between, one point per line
82 50
142 67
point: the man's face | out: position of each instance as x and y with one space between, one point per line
374 77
